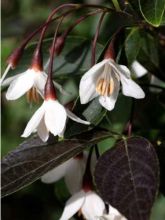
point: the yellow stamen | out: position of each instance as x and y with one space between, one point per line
32 95
105 87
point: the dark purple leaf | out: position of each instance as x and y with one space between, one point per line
33 158
127 177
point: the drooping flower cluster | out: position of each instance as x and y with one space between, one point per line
103 81
84 200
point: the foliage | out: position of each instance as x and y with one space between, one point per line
127 171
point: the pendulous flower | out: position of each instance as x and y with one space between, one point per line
103 81
87 203
72 171
50 117
23 82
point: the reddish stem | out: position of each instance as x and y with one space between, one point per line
61 39
95 39
50 92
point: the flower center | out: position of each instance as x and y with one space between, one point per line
105 87
32 95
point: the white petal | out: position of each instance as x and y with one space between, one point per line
55 117
130 88
34 121
138 69
20 85
108 102
42 131
72 116
93 206
113 214
87 88
119 68
40 81
125 71
7 81
61 134
74 174
73 205
56 173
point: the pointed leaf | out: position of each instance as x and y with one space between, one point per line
133 41
152 11
127 177
33 158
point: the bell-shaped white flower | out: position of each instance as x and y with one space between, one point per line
89 204
23 82
72 170
50 117
104 79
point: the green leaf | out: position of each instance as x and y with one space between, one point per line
152 11
94 113
149 55
117 119
33 158
127 177
133 44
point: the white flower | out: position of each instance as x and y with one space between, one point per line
89 204
50 117
23 82
113 214
103 80
72 170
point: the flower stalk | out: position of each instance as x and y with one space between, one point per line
93 60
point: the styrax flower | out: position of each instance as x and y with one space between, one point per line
104 79
50 117
23 82
87 203
72 170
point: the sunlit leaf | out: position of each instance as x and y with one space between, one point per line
152 11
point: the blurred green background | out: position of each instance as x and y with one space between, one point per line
40 201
